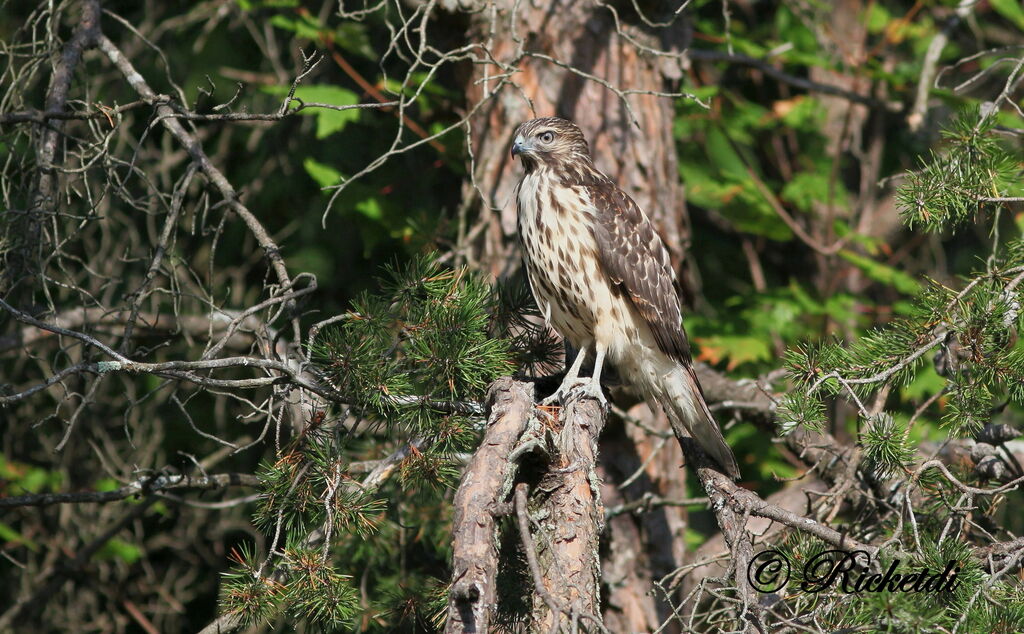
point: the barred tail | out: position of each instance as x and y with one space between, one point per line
676 388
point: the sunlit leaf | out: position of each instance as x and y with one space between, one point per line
328 121
882 273
324 175
733 349
1011 10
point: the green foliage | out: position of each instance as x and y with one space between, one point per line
899 611
746 333
425 337
316 591
17 478
412 359
967 336
415 352
969 331
881 273
886 446
294 488
1010 10
719 180
121 550
328 121
798 408
246 592
952 186
535 349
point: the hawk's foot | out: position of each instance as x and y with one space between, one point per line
593 390
562 393
587 387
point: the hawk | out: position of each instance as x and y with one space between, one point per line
601 276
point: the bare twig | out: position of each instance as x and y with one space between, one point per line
797 82
142 486
917 113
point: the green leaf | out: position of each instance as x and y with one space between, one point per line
724 156
878 18
801 112
1011 10
120 549
9 535
370 208
107 484
882 273
304 26
870 244
735 350
323 174
808 189
34 480
736 197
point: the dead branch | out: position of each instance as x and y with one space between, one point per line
919 109
166 117
44 196
45 116
797 82
142 486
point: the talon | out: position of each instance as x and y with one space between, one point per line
593 390
562 393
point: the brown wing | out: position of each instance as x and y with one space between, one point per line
636 260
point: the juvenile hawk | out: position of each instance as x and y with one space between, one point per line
602 277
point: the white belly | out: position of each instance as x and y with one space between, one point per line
573 292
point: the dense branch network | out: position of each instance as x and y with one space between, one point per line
83 321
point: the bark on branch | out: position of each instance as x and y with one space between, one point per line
570 503
566 510
560 526
472 599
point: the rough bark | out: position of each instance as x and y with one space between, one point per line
570 503
640 156
472 599
630 605
559 525
549 455
650 543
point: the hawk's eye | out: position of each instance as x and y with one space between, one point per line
547 137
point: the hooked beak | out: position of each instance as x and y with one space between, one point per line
519 146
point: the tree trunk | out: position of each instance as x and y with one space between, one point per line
634 145
473 597
639 154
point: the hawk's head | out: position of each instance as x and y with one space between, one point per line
549 140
